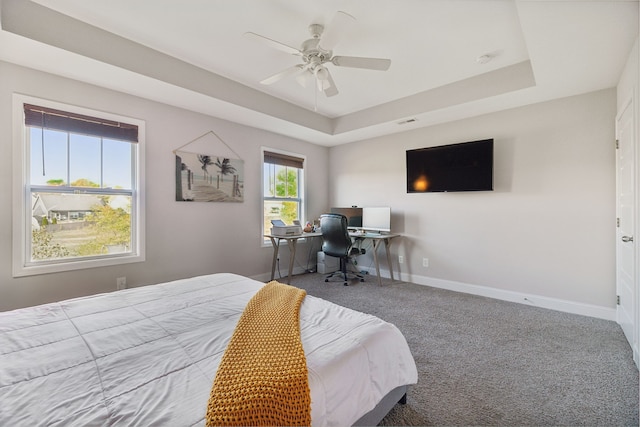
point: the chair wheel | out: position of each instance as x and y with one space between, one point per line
346 284
326 280
362 280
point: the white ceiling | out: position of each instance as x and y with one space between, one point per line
193 54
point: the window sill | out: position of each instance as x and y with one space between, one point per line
33 270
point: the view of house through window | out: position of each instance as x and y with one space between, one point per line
81 185
283 188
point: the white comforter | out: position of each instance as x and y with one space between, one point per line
148 356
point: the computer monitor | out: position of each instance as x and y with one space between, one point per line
353 214
376 219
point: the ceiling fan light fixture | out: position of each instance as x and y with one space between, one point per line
303 78
321 73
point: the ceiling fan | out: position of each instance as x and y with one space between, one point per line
317 52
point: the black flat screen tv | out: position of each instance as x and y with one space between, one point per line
466 166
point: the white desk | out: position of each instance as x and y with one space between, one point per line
292 241
376 239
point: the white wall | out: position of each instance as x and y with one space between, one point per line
628 84
182 239
546 232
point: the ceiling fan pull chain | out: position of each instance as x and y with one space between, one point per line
315 91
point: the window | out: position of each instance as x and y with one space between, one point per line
283 187
78 186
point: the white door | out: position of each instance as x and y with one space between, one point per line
625 200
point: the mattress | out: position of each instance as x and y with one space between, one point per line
148 356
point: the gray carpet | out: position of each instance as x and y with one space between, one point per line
489 362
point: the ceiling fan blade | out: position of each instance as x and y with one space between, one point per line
282 74
329 86
333 33
379 64
274 44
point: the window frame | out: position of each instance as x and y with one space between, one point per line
22 189
302 190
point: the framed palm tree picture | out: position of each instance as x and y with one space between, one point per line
208 178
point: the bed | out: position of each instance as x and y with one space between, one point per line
148 356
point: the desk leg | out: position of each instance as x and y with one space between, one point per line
276 246
376 243
386 246
292 256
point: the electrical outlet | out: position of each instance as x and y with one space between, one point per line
425 262
400 259
121 283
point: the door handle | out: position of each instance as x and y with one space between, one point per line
627 239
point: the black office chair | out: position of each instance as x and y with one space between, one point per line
336 242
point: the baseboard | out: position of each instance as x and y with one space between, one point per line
265 277
522 298
485 291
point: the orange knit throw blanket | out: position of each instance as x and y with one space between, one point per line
262 377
